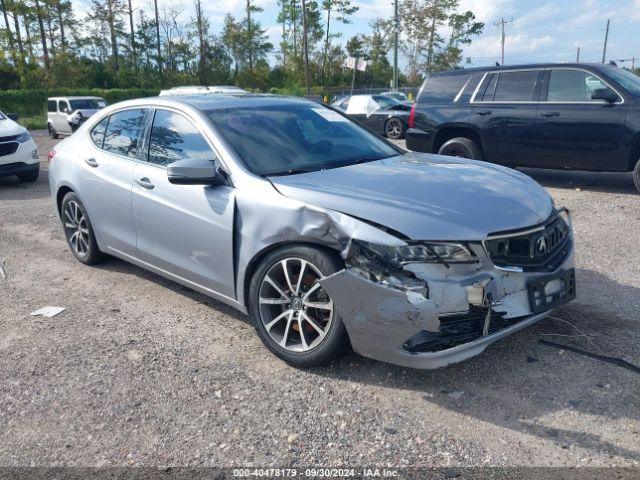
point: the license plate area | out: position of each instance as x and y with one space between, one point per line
552 291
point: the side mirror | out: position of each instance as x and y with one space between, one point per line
196 171
605 94
13 116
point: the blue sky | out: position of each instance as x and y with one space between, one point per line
542 30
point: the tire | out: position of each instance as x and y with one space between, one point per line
78 230
29 177
461 147
394 128
285 331
636 176
52 131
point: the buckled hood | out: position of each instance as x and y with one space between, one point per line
426 197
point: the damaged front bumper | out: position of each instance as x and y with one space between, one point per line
461 309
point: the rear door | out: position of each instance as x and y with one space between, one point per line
576 131
60 118
107 176
185 230
504 109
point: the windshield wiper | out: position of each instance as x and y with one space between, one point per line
291 171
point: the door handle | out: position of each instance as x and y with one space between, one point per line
91 162
145 183
550 114
484 113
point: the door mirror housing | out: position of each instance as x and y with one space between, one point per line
196 171
605 94
13 116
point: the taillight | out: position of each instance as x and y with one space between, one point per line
412 115
50 155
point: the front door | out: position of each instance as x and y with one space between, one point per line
574 130
60 122
504 111
184 230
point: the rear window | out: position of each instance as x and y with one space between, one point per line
442 88
123 132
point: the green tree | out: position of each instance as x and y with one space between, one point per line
341 10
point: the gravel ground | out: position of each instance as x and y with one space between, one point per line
141 371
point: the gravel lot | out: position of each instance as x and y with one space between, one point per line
141 371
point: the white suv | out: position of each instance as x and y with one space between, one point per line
66 114
18 151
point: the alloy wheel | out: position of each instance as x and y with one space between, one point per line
394 128
76 228
296 312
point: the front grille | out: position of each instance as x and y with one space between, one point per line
459 329
8 148
537 250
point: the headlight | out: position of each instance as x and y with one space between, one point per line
422 252
23 137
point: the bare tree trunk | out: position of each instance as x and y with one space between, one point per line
249 36
63 41
16 23
307 76
155 6
43 35
134 56
27 32
112 34
202 40
326 46
432 35
9 34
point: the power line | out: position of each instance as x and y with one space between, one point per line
501 24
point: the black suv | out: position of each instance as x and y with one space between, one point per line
561 116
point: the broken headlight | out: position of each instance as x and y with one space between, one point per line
419 252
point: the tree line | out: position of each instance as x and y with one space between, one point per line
45 43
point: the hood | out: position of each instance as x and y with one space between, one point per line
9 128
426 197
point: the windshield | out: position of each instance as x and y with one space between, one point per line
294 138
628 80
87 104
385 101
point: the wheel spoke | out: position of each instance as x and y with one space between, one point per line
286 275
312 322
303 267
69 216
84 243
276 287
315 287
305 346
320 305
270 325
283 342
274 301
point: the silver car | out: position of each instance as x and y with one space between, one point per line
329 237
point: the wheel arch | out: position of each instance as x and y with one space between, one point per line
446 133
60 194
634 155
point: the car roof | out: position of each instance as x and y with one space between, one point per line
527 66
75 98
207 102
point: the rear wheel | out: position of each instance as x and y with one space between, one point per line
461 147
78 230
394 128
636 176
295 318
29 177
52 131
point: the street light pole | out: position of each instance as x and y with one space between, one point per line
395 45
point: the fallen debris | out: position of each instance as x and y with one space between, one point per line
604 358
49 311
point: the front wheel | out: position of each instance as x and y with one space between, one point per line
52 131
636 176
461 147
78 230
295 318
394 129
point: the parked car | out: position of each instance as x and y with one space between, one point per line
18 151
201 89
66 114
399 96
384 115
566 116
327 235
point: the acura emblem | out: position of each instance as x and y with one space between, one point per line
541 245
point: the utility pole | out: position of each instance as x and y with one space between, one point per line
578 56
501 24
396 27
606 39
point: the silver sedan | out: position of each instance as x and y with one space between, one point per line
328 236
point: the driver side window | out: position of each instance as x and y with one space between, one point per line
174 137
